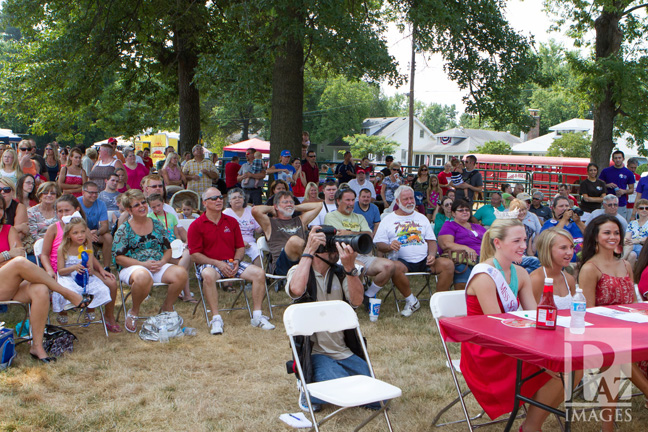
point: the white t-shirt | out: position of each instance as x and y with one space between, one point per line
412 231
319 219
353 184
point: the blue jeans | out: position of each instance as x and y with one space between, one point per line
325 368
529 263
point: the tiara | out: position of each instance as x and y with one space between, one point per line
512 214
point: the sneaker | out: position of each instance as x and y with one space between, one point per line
262 322
216 325
409 309
303 403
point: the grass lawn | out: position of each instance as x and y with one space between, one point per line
233 382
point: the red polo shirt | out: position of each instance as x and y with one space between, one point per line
216 241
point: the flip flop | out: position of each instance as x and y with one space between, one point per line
191 299
133 318
113 328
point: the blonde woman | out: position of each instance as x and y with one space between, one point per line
10 168
174 178
52 162
311 193
496 285
555 250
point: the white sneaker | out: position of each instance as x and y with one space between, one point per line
409 309
216 326
262 322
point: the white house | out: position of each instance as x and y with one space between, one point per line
539 146
458 142
395 129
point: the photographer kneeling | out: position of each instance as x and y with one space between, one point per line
317 278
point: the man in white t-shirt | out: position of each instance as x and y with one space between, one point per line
361 182
410 235
329 205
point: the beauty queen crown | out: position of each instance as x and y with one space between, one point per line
506 214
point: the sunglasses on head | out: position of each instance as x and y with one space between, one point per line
6 189
214 198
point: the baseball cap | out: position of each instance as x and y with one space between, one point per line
538 195
285 153
111 140
361 170
523 196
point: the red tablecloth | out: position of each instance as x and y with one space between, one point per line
608 341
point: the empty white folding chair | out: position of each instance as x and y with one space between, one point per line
305 319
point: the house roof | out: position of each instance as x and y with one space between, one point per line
460 140
540 145
388 126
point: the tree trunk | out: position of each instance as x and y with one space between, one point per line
608 43
287 97
189 100
245 125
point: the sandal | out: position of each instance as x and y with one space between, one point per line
133 327
89 316
113 328
86 299
190 299
62 319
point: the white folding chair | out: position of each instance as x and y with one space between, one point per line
38 250
450 304
638 294
239 281
276 281
305 319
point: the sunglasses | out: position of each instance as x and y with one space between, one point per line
92 192
6 189
462 210
642 208
214 198
52 192
155 186
139 204
23 149
423 170
48 148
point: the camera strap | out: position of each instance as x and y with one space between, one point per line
337 270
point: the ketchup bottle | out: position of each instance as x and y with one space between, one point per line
547 311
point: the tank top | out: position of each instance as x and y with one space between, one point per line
10 212
561 302
299 189
174 174
55 246
612 290
4 238
72 179
31 169
282 230
52 171
101 172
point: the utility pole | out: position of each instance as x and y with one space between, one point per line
410 138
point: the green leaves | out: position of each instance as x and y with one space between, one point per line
494 147
571 145
362 145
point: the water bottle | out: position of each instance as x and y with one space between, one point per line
189 331
578 306
163 334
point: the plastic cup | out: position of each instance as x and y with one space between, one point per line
374 309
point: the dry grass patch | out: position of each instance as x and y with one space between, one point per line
233 382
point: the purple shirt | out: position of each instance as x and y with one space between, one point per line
622 177
463 236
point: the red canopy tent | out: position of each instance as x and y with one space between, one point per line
256 143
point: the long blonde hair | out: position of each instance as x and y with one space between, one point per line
15 166
498 230
67 242
436 189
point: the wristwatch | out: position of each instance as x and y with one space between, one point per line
353 272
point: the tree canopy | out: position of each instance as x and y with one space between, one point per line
494 147
362 145
571 145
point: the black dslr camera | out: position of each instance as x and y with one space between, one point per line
361 243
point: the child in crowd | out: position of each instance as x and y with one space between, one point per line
187 211
75 240
109 195
122 185
170 223
457 171
434 194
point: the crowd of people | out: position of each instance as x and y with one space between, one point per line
118 203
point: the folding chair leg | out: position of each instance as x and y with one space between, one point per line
202 301
103 320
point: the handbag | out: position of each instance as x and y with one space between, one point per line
458 258
57 340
